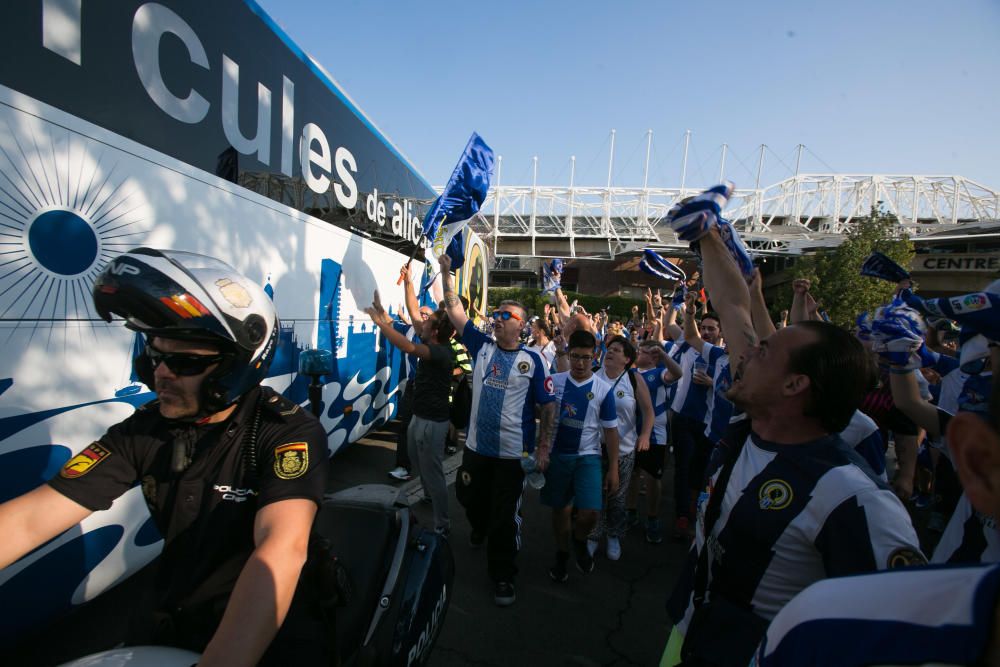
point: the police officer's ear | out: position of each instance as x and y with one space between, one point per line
975 447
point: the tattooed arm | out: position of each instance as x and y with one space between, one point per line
452 304
545 434
730 294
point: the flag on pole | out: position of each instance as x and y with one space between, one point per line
459 203
879 266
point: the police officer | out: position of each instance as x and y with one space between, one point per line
232 472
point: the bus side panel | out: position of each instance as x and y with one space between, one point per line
72 196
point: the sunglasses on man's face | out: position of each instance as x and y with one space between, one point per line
182 363
504 315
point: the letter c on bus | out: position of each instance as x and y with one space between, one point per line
151 22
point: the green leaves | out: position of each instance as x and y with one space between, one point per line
837 283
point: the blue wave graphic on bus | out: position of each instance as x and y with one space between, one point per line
358 395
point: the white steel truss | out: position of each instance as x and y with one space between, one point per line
792 216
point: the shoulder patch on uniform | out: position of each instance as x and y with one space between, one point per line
905 557
84 462
291 460
775 494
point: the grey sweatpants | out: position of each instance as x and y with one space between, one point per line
425 441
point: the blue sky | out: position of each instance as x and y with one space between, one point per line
869 86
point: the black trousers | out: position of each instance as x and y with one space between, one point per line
691 454
490 491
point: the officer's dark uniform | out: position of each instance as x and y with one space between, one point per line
206 513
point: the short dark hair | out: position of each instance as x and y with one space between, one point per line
712 316
441 323
581 338
627 347
840 373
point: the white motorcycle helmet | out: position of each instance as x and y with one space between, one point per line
186 296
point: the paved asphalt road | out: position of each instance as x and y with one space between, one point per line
613 616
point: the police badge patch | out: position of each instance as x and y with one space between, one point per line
291 460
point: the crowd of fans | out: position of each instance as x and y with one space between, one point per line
778 433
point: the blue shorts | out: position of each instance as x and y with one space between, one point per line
572 479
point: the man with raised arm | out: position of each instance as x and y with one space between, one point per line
786 502
419 316
509 382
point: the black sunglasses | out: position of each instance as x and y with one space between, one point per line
181 363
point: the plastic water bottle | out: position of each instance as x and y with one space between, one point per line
536 478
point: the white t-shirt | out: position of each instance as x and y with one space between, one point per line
547 352
625 406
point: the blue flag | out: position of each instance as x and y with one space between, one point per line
879 266
550 283
459 203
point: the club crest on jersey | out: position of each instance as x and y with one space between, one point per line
291 460
620 393
523 366
775 494
466 478
905 557
590 395
82 463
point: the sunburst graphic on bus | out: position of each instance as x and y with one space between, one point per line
67 207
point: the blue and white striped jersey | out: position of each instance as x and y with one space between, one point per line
655 379
691 399
584 408
862 435
970 537
916 616
506 386
790 516
718 408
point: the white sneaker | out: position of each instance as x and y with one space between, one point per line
591 547
614 548
400 473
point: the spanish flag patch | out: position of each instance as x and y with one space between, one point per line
81 464
291 460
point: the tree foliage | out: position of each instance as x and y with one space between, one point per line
837 283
